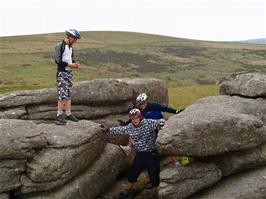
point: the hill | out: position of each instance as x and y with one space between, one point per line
28 61
255 41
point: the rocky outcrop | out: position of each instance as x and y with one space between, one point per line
249 85
41 157
214 125
227 132
91 99
224 135
93 180
10 172
251 184
235 162
181 182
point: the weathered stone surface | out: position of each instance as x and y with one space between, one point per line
48 112
10 171
250 85
251 184
20 139
154 88
91 182
95 92
15 113
70 151
183 181
212 126
234 162
4 196
19 98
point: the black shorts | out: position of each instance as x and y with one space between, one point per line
149 161
64 85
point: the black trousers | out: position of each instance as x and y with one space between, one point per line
149 161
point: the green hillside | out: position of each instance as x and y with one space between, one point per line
27 61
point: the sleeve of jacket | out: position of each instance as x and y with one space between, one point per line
120 130
58 55
156 124
163 108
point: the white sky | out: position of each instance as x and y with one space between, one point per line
218 20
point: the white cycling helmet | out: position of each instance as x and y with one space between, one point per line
73 33
141 98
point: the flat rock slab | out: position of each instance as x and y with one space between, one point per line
214 125
249 85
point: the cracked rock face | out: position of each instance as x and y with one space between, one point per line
48 155
181 182
251 184
93 180
249 85
214 125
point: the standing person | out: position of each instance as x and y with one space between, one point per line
143 132
150 110
64 76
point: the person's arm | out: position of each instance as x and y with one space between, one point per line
120 130
160 107
124 123
156 124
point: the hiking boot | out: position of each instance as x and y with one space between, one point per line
126 149
60 120
124 194
72 118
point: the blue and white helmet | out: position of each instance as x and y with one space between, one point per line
141 98
73 33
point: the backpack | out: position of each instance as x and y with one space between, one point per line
59 54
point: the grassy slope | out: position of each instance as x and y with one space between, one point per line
27 62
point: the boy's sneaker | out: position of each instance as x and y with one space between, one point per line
124 194
60 120
72 118
126 149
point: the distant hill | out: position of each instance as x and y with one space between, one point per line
255 41
28 61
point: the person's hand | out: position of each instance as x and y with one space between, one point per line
77 65
103 128
74 65
161 123
179 111
121 122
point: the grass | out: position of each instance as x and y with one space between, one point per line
188 66
183 96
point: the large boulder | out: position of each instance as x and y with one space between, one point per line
251 184
183 181
48 112
70 150
234 162
4 196
20 139
214 125
10 172
94 92
91 99
250 85
95 179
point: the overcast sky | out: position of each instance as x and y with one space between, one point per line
220 20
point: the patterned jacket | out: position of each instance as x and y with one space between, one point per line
144 135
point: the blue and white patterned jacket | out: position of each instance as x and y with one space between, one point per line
144 135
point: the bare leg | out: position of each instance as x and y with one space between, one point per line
60 105
68 105
130 185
